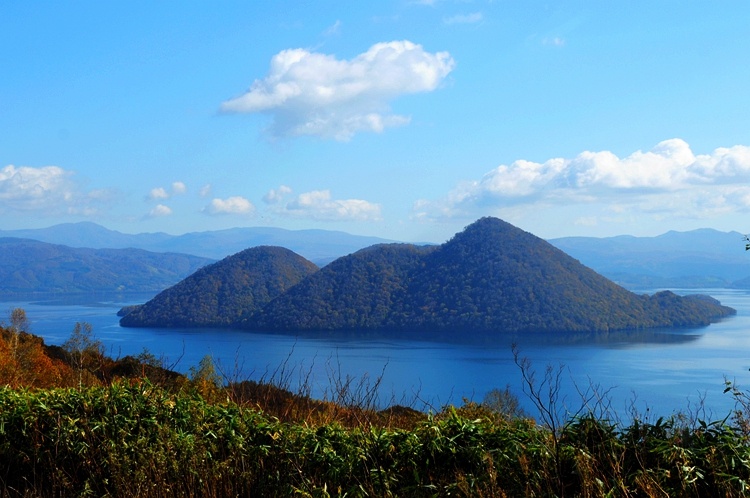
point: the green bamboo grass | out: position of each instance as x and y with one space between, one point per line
133 438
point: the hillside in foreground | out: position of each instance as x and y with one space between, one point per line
492 277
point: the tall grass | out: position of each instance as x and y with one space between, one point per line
137 439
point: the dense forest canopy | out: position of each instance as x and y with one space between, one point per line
219 294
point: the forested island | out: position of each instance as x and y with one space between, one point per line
219 295
491 277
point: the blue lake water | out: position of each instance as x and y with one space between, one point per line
662 371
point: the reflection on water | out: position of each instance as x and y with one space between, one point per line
665 370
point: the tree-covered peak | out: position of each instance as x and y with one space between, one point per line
218 294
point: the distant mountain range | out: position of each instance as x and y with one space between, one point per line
491 277
30 266
319 246
702 258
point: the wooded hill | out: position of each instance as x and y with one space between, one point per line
492 277
220 294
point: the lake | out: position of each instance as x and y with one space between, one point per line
660 371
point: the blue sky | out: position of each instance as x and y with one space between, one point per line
402 119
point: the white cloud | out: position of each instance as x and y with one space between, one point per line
231 205
178 188
668 179
275 196
309 93
318 205
28 188
160 210
472 18
47 190
205 190
157 194
160 193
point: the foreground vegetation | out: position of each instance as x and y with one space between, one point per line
137 439
94 426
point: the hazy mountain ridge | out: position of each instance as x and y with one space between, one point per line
319 246
490 277
28 266
700 258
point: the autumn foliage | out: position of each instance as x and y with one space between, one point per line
25 360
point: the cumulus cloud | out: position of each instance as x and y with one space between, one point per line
29 188
231 205
47 190
275 196
205 190
178 188
160 193
314 94
319 205
669 178
157 194
472 18
160 210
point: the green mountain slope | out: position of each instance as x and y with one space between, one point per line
494 276
219 294
490 277
33 266
359 291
